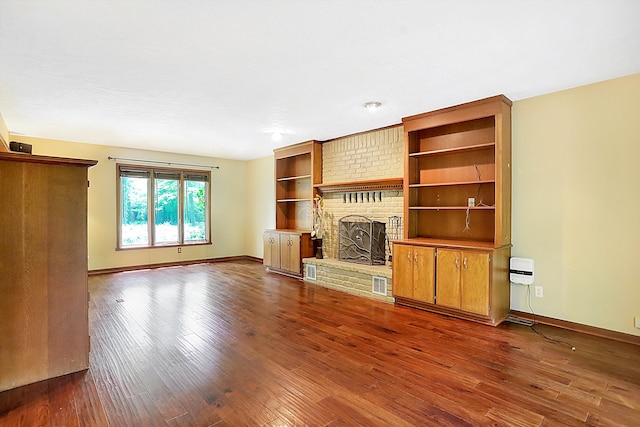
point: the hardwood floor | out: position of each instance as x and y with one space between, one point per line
227 344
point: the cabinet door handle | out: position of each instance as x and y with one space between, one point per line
457 263
415 257
409 258
464 263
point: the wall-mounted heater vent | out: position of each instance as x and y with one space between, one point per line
379 285
521 271
310 272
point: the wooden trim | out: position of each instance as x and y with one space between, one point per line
447 243
4 145
293 150
460 113
366 185
492 99
173 264
172 245
435 308
30 158
285 273
578 327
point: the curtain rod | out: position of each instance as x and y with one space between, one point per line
163 163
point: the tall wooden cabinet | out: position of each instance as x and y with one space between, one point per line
297 169
457 196
44 326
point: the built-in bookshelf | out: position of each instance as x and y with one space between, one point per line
457 196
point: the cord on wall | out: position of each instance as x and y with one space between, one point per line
533 326
467 221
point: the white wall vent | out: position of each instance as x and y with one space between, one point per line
310 272
521 271
379 285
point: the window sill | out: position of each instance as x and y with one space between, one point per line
132 248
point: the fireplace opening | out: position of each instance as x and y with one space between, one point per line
361 240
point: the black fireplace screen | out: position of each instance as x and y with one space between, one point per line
361 240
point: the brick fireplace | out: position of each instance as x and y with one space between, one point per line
349 162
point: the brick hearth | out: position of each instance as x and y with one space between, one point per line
349 277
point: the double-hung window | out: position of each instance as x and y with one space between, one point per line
162 207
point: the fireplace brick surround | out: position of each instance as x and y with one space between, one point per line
368 155
376 154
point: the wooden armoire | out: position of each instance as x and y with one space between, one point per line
44 324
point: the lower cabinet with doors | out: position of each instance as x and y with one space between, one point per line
471 282
284 250
271 256
414 276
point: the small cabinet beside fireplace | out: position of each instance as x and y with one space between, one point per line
284 250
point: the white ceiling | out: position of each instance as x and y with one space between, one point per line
217 77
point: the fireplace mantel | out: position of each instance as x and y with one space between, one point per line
366 185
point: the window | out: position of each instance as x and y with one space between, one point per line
162 207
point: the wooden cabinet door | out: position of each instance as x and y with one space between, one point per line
475 282
423 273
402 271
271 256
294 261
290 252
285 251
448 278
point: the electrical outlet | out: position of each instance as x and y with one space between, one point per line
539 293
179 250
637 320
471 202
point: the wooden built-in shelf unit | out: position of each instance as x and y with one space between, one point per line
457 196
450 163
298 169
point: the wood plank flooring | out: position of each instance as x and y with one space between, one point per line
227 344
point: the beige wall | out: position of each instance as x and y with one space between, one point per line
261 203
576 202
229 212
